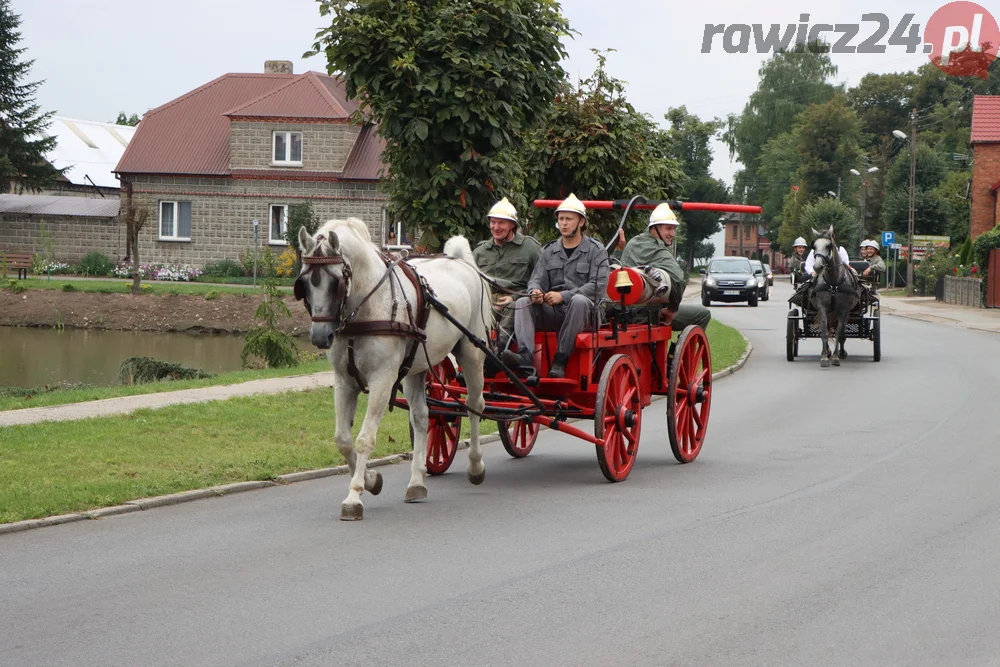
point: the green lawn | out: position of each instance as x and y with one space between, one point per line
55 468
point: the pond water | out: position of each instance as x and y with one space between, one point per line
32 357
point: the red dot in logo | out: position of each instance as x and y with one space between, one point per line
962 39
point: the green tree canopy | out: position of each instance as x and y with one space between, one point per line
787 83
23 144
828 146
595 144
125 119
453 86
827 211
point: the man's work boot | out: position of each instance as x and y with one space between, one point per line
558 369
514 360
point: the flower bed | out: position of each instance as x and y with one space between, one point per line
162 272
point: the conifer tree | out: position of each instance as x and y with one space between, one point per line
23 143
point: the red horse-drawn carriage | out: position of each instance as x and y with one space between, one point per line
613 373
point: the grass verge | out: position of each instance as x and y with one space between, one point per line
727 345
54 468
66 396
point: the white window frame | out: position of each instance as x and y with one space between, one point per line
288 148
159 223
284 224
398 228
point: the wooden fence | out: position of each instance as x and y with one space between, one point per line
963 291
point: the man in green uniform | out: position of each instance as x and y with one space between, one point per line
653 249
508 257
871 252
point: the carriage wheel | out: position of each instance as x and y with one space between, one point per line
791 338
618 417
443 433
689 396
518 437
877 339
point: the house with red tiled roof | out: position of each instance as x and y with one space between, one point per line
985 141
245 148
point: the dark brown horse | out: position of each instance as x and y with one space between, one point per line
834 296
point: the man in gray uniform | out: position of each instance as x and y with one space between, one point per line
565 287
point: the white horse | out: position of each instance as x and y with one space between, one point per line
344 283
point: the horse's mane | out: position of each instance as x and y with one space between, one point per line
355 225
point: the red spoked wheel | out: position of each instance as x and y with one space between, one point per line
689 396
518 437
618 417
443 432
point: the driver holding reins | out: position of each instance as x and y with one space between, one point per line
564 289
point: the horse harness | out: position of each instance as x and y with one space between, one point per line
414 328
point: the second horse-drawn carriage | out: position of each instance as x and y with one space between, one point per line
864 321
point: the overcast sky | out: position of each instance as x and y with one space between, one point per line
98 57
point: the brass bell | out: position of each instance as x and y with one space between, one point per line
623 282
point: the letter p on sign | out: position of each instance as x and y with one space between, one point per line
961 38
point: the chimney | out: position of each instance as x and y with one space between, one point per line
278 67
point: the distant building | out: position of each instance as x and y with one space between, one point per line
745 237
247 147
89 150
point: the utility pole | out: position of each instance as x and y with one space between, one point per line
913 178
741 235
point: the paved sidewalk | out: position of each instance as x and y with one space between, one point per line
125 404
927 309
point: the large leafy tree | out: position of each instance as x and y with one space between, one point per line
828 146
595 144
787 83
824 212
23 144
882 102
690 138
453 86
929 204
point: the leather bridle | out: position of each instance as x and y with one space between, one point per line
343 286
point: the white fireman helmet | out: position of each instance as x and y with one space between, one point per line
662 215
504 210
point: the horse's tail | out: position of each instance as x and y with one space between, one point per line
458 246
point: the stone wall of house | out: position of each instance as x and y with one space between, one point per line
325 147
72 237
223 210
985 208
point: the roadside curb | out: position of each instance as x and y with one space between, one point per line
142 504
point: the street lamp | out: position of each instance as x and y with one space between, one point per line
864 200
913 174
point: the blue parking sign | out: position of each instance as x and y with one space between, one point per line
888 238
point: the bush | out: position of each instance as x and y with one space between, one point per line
224 268
68 287
96 264
934 266
140 370
286 264
211 296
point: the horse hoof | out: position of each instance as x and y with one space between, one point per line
836 361
377 486
352 512
478 479
843 354
824 363
415 494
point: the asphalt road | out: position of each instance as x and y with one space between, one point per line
844 516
